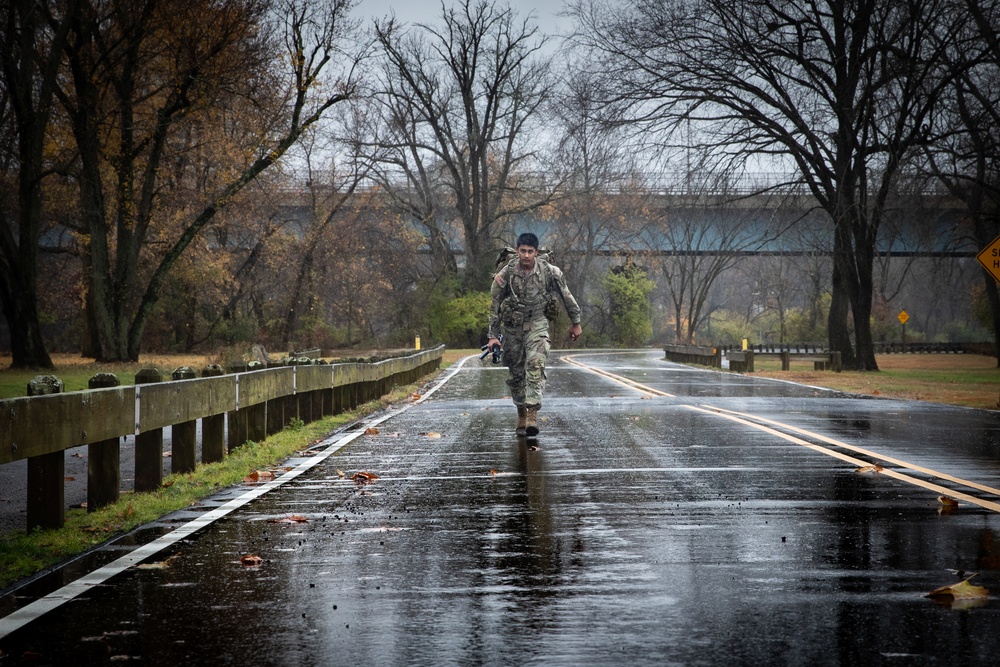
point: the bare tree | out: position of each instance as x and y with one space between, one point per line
456 102
965 155
842 91
139 71
31 44
701 239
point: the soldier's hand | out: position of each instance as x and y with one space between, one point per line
575 331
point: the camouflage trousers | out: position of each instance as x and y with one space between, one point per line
525 350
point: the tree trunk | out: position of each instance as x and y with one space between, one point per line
837 329
21 310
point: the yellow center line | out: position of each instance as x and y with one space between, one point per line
759 423
858 462
631 384
866 452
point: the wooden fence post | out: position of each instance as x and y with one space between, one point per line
103 458
46 473
213 428
183 436
148 444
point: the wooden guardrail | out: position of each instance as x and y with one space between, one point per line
694 354
742 361
254 404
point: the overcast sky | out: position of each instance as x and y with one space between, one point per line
429 11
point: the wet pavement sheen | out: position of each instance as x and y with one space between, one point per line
638 532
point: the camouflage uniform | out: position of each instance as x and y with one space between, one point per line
522 304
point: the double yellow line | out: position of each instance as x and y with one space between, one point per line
791 433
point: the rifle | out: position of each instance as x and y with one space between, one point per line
496 351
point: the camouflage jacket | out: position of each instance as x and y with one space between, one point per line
516 299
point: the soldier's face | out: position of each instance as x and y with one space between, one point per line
526 255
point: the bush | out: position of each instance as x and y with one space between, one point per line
461 321
629 289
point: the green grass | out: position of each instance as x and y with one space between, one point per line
22 555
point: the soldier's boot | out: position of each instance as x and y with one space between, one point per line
522 416
531 419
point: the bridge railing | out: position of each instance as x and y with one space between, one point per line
254 404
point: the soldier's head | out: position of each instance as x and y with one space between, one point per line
527 238
527 249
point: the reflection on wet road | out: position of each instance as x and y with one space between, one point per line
639 530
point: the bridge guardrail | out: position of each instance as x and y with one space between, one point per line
255 404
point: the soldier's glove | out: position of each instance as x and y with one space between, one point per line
496 350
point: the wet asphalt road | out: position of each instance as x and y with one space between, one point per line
639 531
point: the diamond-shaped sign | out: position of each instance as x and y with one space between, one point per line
989 257
903 316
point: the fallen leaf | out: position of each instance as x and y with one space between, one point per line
872 468
493 471
168 483
416 397
160 565
371 431
875 392
251 560
69 479
960 591
340 473
77 455
364 477
294 518
947 502
258 476
431 434
646 397
167 455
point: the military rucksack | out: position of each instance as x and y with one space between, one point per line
508 254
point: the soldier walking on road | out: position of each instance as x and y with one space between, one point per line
523 299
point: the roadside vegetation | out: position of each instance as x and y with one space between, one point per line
969 380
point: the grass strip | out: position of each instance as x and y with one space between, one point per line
24 554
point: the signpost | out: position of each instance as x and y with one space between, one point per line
989 257
903 317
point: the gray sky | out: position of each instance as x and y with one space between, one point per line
429 11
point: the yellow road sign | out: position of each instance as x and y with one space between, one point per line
989 257
903 316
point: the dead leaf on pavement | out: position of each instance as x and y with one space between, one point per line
258 476
431 434
363 477
294 518
371 431
251 560
493 471
161 565
872 468
960 591
340 473
948 501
